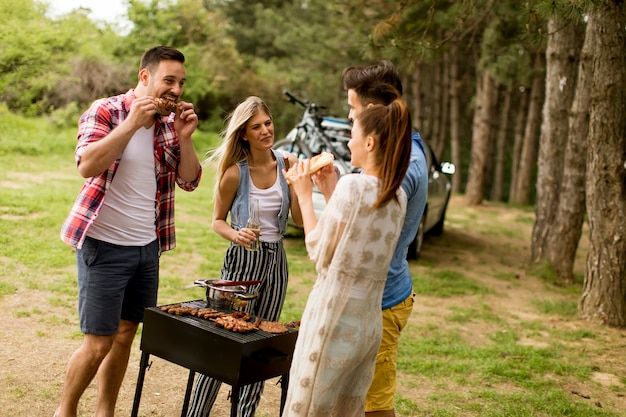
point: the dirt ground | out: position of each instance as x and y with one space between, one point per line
33 354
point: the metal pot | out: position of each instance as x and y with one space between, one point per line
227 296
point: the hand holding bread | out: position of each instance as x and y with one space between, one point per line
314 164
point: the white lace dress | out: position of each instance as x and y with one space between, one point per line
341 327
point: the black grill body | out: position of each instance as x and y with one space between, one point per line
199 345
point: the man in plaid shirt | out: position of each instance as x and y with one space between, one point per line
131 157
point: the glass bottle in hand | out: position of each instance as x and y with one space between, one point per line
254 223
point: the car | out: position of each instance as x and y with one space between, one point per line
439 190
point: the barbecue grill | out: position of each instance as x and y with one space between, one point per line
197 344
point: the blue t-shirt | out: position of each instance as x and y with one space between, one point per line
399 283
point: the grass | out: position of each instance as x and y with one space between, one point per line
445 283
465 352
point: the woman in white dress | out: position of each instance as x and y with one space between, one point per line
351 245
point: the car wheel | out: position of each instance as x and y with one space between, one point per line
416 246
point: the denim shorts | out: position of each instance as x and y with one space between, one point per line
115 282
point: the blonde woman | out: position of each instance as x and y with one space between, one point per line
249 169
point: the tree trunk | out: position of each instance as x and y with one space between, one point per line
445 106
455 120
497 187
416 94
604 291
486 99
531 134
435 109
491 145
561 60
518 142
565 233
405 79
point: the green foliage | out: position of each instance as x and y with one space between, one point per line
420 31
567 9
298 46
217 77
535 15
29 42
40 57
233 48
504 54
67 116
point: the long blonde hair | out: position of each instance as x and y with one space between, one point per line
233 148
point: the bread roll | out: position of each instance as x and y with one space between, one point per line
315 164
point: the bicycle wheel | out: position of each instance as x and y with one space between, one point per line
293 146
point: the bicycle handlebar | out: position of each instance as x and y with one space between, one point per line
294 99
311 107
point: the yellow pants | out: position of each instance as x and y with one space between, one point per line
381 392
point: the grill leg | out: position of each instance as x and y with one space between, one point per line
192 374
284 384
234 400
143 364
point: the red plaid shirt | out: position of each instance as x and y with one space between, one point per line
96 123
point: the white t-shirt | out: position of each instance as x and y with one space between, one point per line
270 202
128 214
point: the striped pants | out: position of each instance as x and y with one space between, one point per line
269 265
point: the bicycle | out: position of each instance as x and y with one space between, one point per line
317 133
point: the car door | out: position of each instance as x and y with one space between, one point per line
437 190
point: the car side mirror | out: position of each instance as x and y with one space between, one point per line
448 168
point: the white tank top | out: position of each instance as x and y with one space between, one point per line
270 201
128 214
